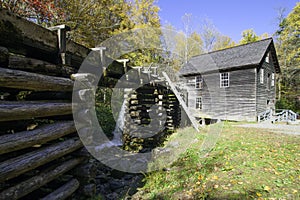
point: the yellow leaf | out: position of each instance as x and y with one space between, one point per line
295 191
31 127
258 194
267 188
200 177
215 177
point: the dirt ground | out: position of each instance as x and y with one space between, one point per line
277 128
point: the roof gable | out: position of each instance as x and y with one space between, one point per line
250 54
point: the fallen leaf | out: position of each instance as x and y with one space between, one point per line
267 188
258 194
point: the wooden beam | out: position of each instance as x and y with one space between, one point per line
14 167
39 66
64 191
32 81
24 139
16 110
27 186
24 37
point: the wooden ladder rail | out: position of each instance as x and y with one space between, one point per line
181 102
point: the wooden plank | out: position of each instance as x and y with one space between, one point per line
33 81
27 186
23 37
64 191
14 167
24 139
181 101
16 110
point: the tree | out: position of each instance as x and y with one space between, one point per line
143 15
44 12
288 48
209 34
223 42
249 36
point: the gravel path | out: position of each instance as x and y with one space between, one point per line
277 128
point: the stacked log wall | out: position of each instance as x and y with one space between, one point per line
39 145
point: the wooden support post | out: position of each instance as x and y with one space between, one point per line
62 41
24 139
14 167
64 191
101 51
27 186
124 61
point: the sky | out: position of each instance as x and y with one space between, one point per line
230 17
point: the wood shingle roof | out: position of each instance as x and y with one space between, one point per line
251 54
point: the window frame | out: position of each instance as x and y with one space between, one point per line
261 76
267 59
273 79
198 104
198 82
224 79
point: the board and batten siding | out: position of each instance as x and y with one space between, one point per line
265 97
236 102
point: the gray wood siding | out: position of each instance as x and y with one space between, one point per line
263 94
236 102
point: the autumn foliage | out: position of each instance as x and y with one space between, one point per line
40 11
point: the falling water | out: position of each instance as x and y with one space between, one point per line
117 139
117 133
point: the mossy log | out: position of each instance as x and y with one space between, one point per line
14 167
33 81
45 133
17 110
39 66
64 191
35 182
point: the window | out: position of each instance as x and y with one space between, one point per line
273 80
224 79
199 82
268 57
261 76
268 81
199 103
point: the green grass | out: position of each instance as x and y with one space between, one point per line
244 164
